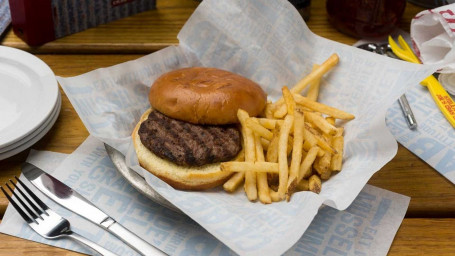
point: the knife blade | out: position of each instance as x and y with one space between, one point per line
75 202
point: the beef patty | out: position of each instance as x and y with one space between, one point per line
189 144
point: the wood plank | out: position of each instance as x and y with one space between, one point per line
155 29
424 237
20 246
415 237
432 195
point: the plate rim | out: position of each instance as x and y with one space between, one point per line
50 80
33 140
36 132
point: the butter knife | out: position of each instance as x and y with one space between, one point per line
70 199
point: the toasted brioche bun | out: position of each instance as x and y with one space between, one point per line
202 95
179 177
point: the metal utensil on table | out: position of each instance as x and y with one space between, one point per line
43 220
384 49
443 100
137 181
75 202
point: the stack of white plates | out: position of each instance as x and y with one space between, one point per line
29 100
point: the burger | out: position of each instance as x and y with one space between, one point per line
192 125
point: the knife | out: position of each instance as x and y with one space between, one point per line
70 199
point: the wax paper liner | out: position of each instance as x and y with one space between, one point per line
268 42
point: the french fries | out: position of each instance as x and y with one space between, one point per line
297 148
262 183
248 140
294 146
313 91
283 159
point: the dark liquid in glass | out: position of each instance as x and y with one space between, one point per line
365 18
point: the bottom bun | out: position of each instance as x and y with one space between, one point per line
179 177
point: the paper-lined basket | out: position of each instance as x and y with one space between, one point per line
268 42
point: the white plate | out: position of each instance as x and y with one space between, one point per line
23 145
28 94
36 132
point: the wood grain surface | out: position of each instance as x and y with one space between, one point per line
155 29
415 237
429 226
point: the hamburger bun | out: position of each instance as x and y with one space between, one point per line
179 177
203 95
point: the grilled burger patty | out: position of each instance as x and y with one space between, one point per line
189 144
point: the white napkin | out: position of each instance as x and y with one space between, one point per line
433 35
367 227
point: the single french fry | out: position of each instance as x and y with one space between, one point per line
314 184
331 120
320 140
250 156
249 166
250 177
283 159
234 182
289 100
307 146
305 166
340 131
313 90
268 111
309 138
299 124
265 143
321 123
322 108
267 123
281 111
257 128
263 186
290 145
315 74
240 156
322 166
337 158
303 185
272 151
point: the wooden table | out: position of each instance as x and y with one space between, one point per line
429 225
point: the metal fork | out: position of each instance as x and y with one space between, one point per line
43 220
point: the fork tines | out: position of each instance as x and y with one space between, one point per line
38 206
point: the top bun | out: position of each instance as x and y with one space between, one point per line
202 95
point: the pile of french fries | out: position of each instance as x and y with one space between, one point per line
293 147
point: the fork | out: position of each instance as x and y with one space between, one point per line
443 100
43 220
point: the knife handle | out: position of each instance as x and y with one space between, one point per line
130 238
407 112
94 246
